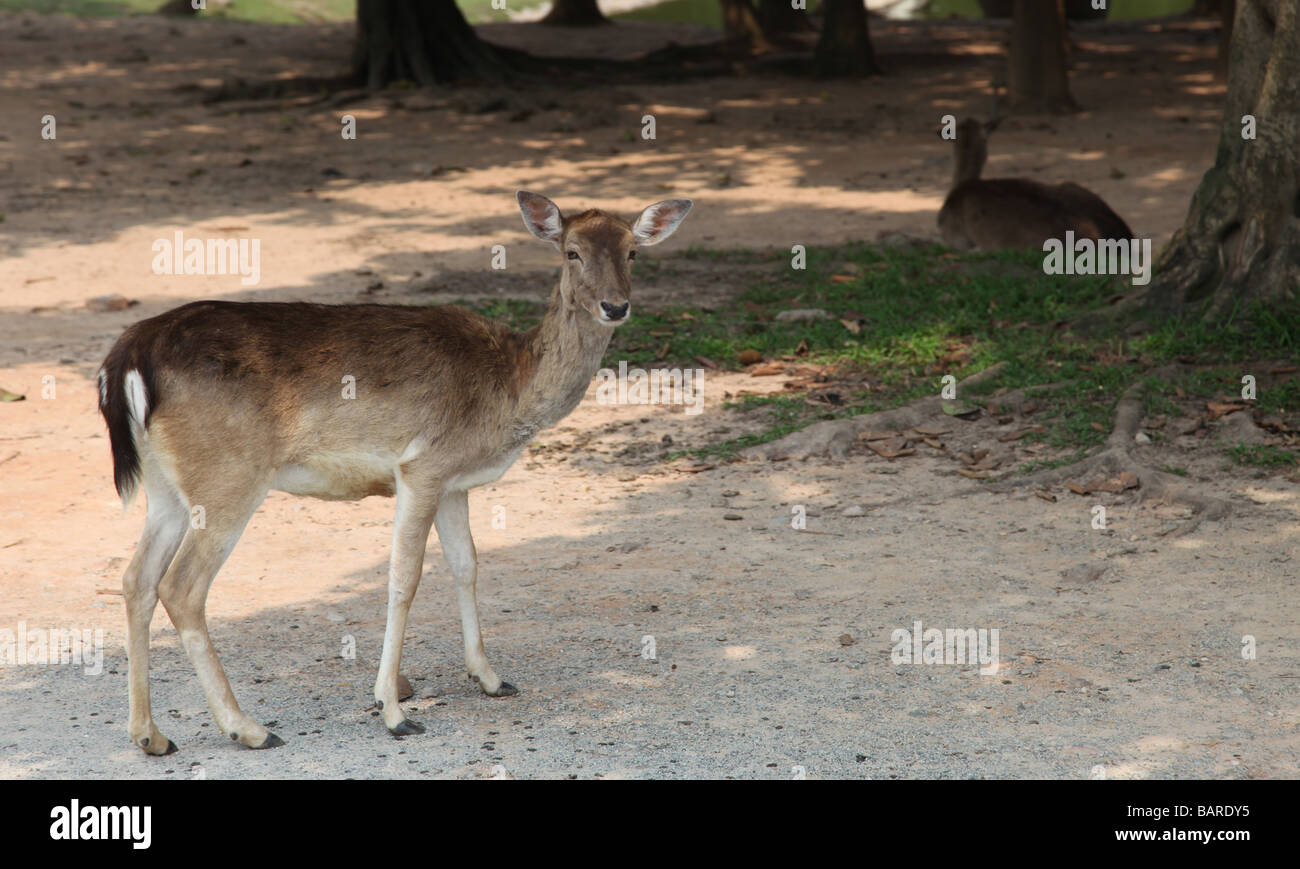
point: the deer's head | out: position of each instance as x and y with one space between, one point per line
599 249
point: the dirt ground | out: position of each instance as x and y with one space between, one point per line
772 645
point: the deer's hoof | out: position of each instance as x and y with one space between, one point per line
271 741
148 746
506 690
406 727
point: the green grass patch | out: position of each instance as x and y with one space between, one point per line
923 312
1262 456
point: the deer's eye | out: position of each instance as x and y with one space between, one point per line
573 254
631 254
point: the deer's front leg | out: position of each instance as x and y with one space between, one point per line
452 521
416 505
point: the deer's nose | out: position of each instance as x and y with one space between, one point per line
614 312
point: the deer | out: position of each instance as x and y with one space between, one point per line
995 213
213 404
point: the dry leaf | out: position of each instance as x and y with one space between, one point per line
767 370
1221 408
974 475
1076 488
1019 433
887 450
1115 485
1046 496
695 469
852 326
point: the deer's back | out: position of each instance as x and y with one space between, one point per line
333 393
1018 213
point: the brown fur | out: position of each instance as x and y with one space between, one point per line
214 403
1016 212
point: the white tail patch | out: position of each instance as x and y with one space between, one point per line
136 398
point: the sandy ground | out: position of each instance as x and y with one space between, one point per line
772 645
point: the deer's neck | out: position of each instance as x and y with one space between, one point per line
565 351
970 157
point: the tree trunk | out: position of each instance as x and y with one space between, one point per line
575 13
778 18
425 41
1037 78
844 48
1241 239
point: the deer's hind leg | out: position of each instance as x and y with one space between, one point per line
166 521
228 501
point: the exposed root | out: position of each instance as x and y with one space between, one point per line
834 438
1117 459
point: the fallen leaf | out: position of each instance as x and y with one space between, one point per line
930 430
851 325
974 475
886 450
706 362
1076 488
1019 433
843 279
767 370
1221 408
960 409
1115 485
695 469
1046 496
847 640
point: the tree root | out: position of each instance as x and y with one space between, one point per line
1117 458
834 438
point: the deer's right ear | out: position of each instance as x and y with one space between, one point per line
541 216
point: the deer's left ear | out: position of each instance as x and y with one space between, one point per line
660 220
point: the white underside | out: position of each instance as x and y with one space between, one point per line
350 475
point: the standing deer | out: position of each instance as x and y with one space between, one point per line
215 403
998 213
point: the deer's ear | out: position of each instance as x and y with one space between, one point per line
541 216
660 220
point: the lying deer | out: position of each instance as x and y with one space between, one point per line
1015 212
215 403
